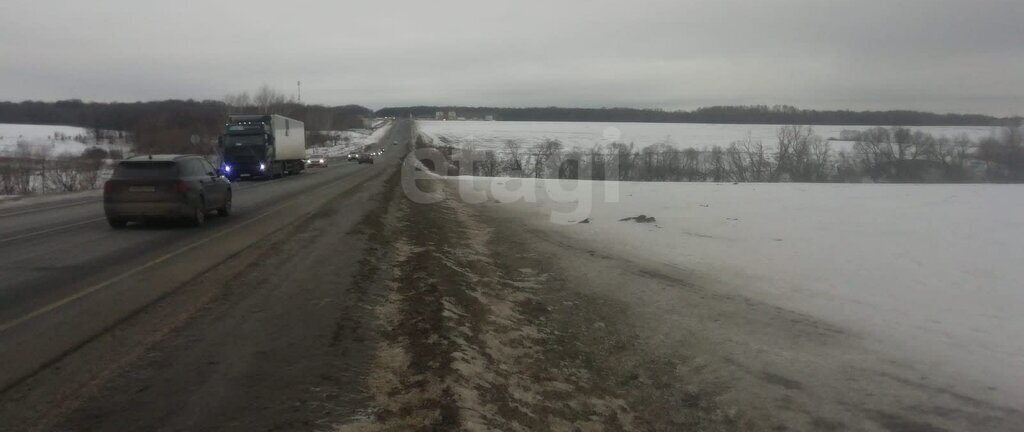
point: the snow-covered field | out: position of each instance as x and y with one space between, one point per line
932 274
51 140
348 141
494 134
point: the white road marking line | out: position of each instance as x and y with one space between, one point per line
35 233
33 210
89 290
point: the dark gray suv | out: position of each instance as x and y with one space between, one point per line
165 186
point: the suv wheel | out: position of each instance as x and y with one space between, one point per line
116 223
226 209
198 214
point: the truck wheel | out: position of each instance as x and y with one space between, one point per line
116 223
225 211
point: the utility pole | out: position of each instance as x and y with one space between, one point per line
299 85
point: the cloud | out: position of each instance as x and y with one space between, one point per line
921 54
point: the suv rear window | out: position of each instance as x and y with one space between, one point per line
146 170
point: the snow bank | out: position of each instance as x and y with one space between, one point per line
932 273
9 202
349 141
493 135
52 140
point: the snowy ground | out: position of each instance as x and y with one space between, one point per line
349 141
13 202
929 273
493 135
52 140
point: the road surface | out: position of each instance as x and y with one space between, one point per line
67 276
331 301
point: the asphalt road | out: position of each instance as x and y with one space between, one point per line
331 301
67 276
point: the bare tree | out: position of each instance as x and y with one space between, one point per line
693 165
545 151
738 167
266 98
819 163
719 170
238 103
960 150
490 166
623 157
466 158
794 142
874 147
64 174
596 163
569 163
1013 140
759 164
847 169
89 170
514 164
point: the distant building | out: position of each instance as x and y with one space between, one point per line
489 117
439 115
452 116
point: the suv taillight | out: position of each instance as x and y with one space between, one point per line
182 187
107 187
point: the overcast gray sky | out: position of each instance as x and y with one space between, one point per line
938 55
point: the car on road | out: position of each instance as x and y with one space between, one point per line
317 161
353 157
165 187
365 158
395 142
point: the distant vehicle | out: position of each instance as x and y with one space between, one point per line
319 161
262 146
353 156
395 142
165 186
365 158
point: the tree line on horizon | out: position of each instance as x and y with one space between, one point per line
740 114
168 126
879 154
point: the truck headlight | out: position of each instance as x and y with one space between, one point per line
263 167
